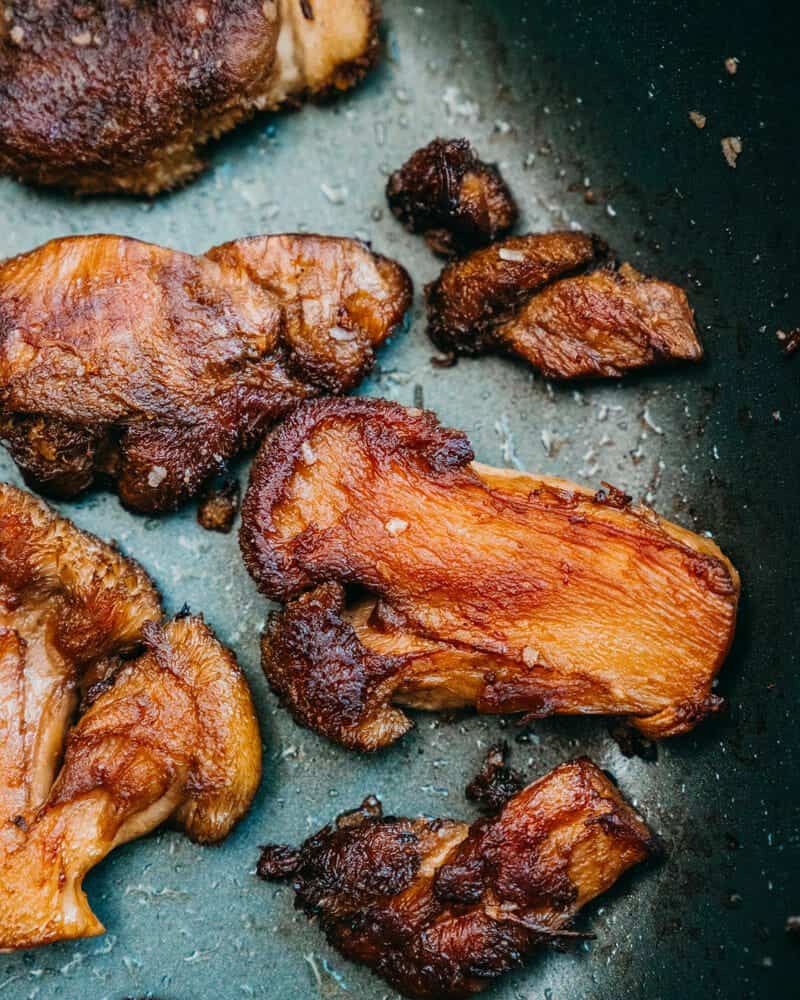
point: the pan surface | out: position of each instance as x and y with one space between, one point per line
568 98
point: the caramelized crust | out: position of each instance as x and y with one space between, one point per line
447 193
114 95
170 733
486 588
559 303
129 364
441 909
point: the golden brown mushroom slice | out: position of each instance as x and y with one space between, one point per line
439 908
170 733
145 369
471 586
451 196
163 77
557 301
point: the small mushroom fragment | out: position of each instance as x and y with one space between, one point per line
218 507
451 196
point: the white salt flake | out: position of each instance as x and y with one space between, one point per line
458 106
341 335
530 656
156 476
309 456
654 427
336 196
514 256
396 526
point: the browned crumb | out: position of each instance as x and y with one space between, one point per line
496 782
731 148
698 119
731 65
790 341
218 507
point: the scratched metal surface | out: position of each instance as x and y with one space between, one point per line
567 99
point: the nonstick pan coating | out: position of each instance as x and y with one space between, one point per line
569 98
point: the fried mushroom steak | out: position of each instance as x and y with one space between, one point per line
451 196
145 369
416 577
118 95
559 302
167 728
439 908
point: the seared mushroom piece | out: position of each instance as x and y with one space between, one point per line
560 303
439 908
451 196
147 370
119 96
218 507
469 586
167 728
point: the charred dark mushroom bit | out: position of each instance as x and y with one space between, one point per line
458 202
560 303
439 908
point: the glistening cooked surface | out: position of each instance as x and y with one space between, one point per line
130 365
560 302
500 590
197 923
165 724
442 909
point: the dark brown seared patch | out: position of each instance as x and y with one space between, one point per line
451 196
440 909
163 77
414 578
559 302
315 661
278 861
128 365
